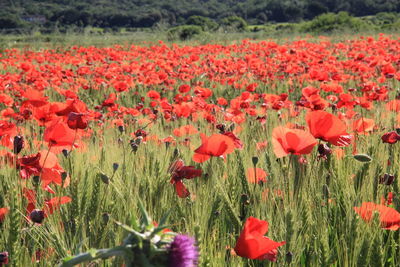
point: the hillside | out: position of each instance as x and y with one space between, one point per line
147 13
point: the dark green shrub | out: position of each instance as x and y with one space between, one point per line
234 23
205 23
183 32
330 22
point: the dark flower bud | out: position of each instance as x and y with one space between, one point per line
289 257
36 180
245 199
18 143
387 179
37 216
64 175
220 127
3 258
104 178
324 150
65 152
106 217
115 166
121 128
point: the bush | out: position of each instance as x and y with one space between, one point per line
330 22
183 32
234 23
205 23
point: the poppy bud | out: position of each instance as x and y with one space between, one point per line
390 137
104 178
324 150
115 166
64 176
3 258
106 217
76 121
398 131
18 143
36 180
37 216
245 199
65 152
121 128
386 179
289 257
221 127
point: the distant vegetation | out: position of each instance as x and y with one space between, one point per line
22 16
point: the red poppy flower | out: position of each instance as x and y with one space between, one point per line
256 175
252 243
29 165
59 134
363 125
390 137
3 213
185 130
179 172
294 141
328 127
77 121
238 143
49 205
389 217
216 145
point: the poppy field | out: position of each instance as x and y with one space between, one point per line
255 153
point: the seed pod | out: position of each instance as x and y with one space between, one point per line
254 160
362 157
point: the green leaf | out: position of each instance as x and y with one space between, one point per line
146 220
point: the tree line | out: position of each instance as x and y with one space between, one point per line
50 14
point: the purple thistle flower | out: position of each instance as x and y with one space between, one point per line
183 252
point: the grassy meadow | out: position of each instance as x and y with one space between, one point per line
308 200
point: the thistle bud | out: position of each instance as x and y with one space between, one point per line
37 216
18 143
